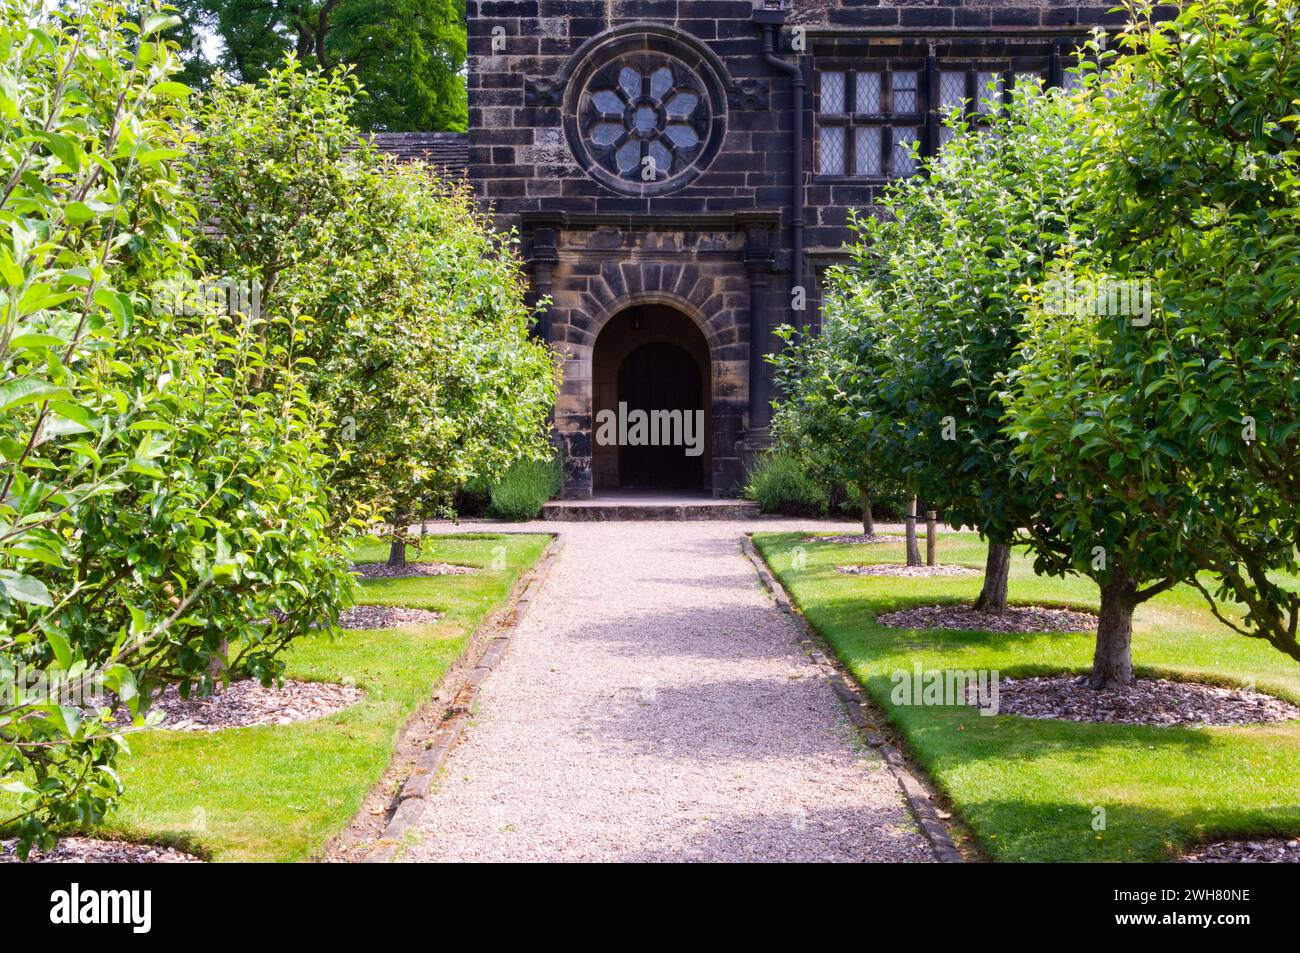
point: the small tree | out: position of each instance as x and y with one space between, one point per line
1161 406
816 421
947 258
839 388
410 308
1201 198
159 513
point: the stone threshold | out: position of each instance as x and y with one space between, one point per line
648 507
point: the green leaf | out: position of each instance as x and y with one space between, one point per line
62 651
172 90
116 302
159 22
28 390
9 270
25 588
64 148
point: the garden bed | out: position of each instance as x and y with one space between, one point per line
246 704
93 850
412 569
858 540
386 617
970 619
1149 702
1268 850
917 572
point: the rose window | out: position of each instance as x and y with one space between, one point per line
645 119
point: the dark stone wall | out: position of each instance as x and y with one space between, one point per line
596 250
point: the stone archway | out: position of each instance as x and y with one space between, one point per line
651 360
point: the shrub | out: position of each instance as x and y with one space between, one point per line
781 484
523 490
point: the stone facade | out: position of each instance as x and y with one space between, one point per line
644 149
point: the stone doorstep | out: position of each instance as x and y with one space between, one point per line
576 510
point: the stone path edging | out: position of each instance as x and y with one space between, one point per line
409 800
919 796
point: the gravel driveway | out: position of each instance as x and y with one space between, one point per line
654 706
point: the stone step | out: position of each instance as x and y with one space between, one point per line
606 510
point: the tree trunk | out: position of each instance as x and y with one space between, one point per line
1112 663
913 549
397 553
868 524
997 566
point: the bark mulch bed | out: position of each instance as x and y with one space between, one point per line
385 571
889 569
1012 619
92 850
247 703
1151 701
860 539
386 617
1269 850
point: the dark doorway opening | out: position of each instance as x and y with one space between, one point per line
652 358
662 377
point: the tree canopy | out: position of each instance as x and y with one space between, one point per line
408 54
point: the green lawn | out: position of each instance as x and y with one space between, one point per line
1027 788
279 793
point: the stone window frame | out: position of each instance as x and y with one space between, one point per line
886 119
638 38
664 103
927 121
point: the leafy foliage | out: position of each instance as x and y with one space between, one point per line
409 54
524 488
410 309
160 516
1184 428
781 483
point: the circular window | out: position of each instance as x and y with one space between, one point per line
645 122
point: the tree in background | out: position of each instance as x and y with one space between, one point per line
410 308
948 256
816 421
837 405
410 55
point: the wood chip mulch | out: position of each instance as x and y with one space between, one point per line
888 569
860 539
92 850
1012 619
244 704
386 617
410 570
1269 850
1151 701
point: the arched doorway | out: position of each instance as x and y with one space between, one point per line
651 403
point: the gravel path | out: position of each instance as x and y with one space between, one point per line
654 707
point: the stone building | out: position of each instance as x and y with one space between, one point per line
681 173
